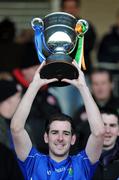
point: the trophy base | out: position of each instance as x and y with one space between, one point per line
59 70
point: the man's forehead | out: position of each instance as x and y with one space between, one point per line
101 76
109 118
60 125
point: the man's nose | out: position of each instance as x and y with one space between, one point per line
107 129
60 137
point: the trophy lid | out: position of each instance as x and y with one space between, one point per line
61 13
59 18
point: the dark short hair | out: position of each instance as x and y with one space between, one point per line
59 117
7 29
110 111
78 2
101 70
8 88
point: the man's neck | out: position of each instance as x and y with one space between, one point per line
102 103
107 148
58 158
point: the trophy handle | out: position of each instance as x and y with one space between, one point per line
38 26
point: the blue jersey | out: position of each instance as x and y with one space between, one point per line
38 166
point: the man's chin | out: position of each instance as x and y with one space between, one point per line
107 146
60 153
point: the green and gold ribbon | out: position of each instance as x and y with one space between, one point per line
81 28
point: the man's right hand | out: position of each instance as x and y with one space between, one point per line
38 81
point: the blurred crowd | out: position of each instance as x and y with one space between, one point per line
18 63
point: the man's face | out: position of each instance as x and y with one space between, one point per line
101 86
70 6
111 130
59 139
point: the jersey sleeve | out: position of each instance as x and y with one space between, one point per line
28 166
87 165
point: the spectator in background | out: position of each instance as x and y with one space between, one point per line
29 62
102 90
9 169
7 30
11 52
25 35
109 45
73 7
108 168
5 76
29 58
10 96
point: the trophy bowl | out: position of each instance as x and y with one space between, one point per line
56 36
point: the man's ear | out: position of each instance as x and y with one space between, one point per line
73 139
46 137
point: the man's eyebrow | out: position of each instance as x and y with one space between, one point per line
53 130
65 131
111 124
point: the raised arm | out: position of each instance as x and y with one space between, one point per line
20 136
95 141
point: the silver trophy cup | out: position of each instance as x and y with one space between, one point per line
55 36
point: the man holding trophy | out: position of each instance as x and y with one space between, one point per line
59 131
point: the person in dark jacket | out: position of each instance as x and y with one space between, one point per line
9 169
11 52
10 96
108 168
109 45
